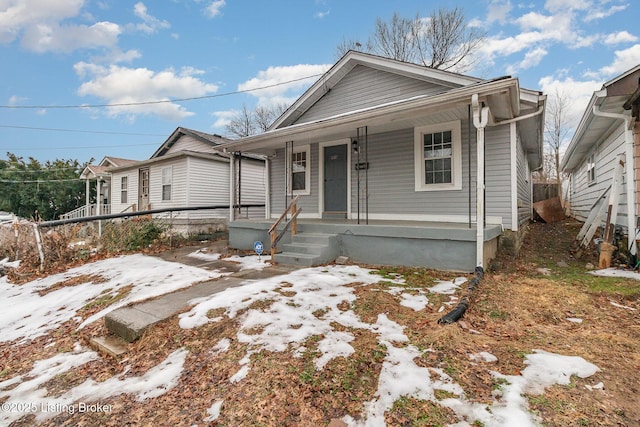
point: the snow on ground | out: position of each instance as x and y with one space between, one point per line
249 262
204 255
447 287
30 397
11 264
149 277
615 272
290 320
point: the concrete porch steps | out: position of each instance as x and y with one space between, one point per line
309 250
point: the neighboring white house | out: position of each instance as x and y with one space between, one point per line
190 170
384 157
607 136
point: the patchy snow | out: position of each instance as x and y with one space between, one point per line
447 287
626 307
29 390
148 276
483 356
214 411
249 262
204 255
615 272
416 302
599 386
222 346
10 264
574 319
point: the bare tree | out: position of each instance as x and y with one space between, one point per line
556 130
250 122
444 40
241 124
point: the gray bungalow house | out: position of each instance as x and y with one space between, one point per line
383 156
190 169
607 139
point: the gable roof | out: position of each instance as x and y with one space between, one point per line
212 140
100 170
352 59
614 97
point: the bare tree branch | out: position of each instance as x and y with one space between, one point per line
241 124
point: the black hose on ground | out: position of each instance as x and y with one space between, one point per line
462 306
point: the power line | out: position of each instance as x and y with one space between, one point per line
38 181
12 171
80 131
78 148
168 101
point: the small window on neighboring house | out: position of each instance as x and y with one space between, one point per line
438 157
591 169
300 174
124 188
167 178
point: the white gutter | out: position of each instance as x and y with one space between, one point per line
480 119
629 167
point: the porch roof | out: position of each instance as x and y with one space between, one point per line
503 96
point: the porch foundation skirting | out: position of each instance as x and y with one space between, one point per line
441 246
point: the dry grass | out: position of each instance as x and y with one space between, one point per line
515 311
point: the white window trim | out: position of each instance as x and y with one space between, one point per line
124 189
595 169
307 175
456 146
170 184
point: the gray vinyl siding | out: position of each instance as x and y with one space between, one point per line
498 174
208 184
391 176
365 87
524 185
583 194
189 143
253 186
308 203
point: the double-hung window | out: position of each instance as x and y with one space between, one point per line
300 174
438 157
167 178
591 168
124 188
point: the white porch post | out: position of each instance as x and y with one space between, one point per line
231 186
98 205
87 206
480 119
267 190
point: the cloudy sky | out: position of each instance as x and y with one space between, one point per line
65 63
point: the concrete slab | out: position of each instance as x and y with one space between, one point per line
110 344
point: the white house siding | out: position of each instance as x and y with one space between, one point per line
207 184
583 194
189 143
178 184
524 185
132 193
365 87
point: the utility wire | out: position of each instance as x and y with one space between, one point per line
167 101
80 131
38 181
77 148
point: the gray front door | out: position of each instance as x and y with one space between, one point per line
335 181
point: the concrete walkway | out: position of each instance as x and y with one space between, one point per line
130 322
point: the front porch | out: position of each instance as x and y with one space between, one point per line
438 245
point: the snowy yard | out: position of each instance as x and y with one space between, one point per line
289 332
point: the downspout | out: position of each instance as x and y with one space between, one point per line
628 149
480 119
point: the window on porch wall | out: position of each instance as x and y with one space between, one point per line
299 178
438 157
124 188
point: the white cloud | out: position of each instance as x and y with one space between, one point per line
576 92
223 118
54 38
214 8
274 81
150 24
620 37
321 15
498 10
16 100
531 59
598 13
17 15
623 60
121 85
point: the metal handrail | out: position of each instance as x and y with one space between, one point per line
273 231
